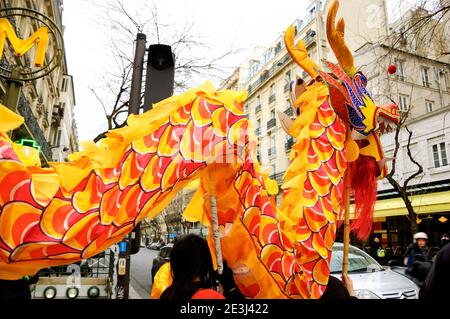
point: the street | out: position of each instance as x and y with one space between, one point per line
141 265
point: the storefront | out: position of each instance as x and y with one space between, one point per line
391 221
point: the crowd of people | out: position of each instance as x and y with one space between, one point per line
194 276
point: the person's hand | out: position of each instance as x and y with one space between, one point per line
348 283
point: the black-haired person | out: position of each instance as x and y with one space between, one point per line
192 270
339 290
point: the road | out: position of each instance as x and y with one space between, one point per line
141 265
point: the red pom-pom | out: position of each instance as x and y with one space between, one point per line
392 69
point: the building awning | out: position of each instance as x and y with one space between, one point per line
423 204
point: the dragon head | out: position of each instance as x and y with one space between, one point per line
348 93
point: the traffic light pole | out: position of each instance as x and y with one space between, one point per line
158 86
13 91
124 262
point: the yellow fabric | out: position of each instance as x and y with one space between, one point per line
295 175
336 39
29 156
163 279
299 53
9 119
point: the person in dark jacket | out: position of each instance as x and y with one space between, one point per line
418 263
445 239
437 283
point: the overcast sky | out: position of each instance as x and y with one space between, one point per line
241 24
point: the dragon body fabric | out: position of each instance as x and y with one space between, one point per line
202 138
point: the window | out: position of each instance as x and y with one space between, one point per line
272 114
404 102
425 77
57 139
258 127
272 122
272 93
400 69
272 89
439 155
288 76
287 79
258 104
429 106
64 85
255 67
272 146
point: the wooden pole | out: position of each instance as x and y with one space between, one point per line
215 222
346 222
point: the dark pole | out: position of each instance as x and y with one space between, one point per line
13 91
123 266
136 81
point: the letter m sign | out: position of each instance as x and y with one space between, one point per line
39 38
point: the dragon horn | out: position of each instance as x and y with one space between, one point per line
299 53
335 35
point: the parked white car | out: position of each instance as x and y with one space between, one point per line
370 279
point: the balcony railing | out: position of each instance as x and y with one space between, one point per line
400 78
271 123
272 98
288 144
272 151
426 84
278 177
258 131
268 73
258 108
289 111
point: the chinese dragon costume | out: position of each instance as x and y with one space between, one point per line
72 211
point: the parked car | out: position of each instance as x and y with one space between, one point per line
157 245
370 279
161 259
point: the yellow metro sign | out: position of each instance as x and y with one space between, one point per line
38 38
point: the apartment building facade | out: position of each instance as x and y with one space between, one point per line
266 76
420 87
47 103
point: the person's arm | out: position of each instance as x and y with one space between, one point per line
348 283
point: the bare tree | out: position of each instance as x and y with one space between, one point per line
191 61
402 188
422 34
425 29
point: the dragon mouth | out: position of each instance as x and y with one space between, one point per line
386 126
388 118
